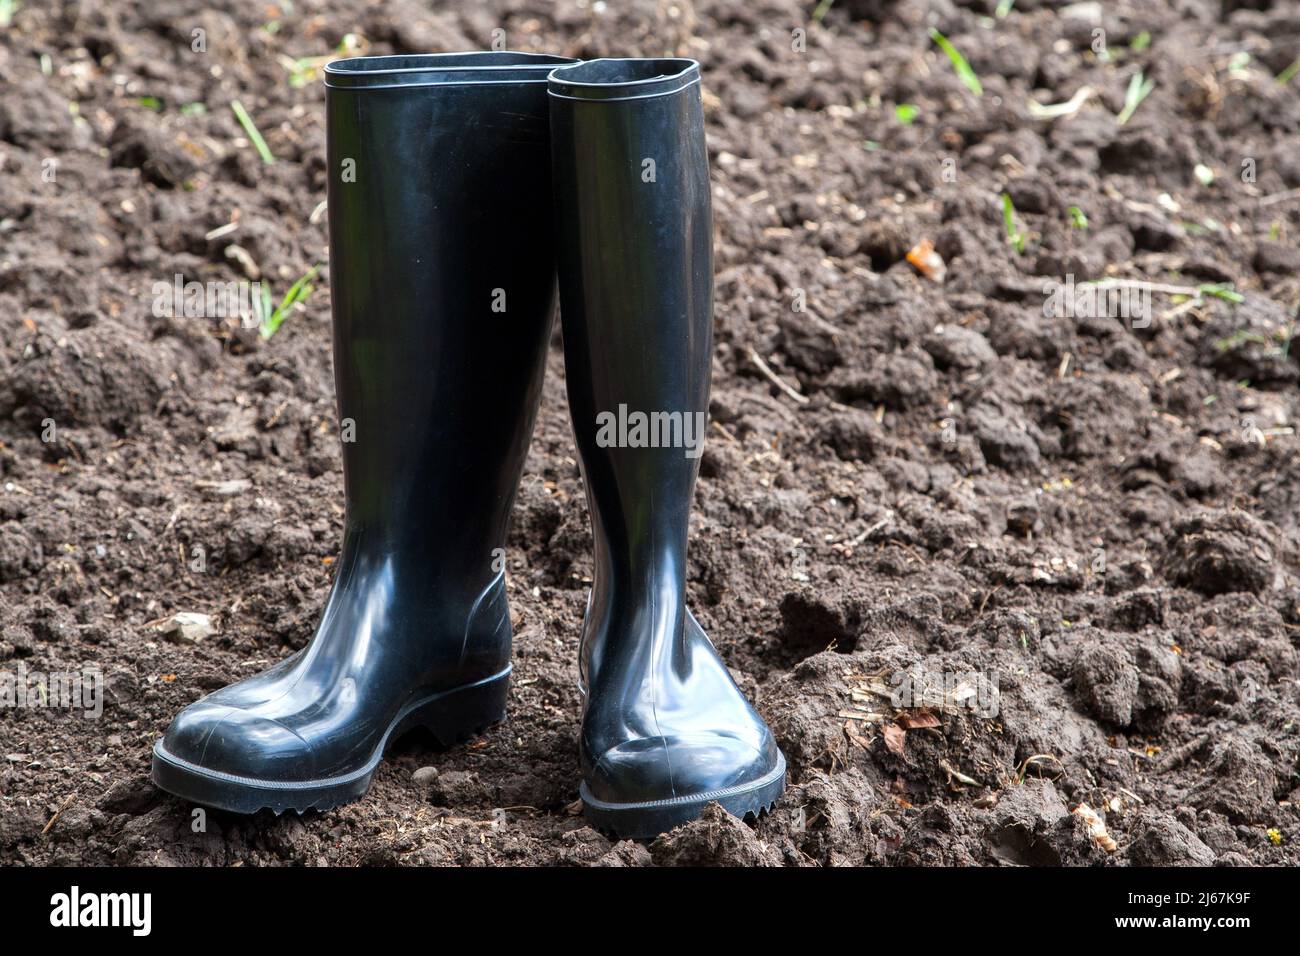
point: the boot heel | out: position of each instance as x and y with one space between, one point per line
456 715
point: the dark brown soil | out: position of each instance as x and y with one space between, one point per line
1092 527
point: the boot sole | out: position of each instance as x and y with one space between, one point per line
640 821
451 716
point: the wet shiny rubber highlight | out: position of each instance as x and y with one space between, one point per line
665 730
440 208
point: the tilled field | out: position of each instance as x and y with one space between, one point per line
1076 532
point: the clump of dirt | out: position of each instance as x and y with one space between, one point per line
1014 584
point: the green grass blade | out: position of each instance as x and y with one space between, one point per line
906 113
254 136
959 64
1139 88
1220 290
1014 236
298 292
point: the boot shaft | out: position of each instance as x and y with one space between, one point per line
443 284
634 226
635 235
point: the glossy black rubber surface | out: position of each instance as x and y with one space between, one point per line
439 209
665 729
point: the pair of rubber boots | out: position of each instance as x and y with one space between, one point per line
457 183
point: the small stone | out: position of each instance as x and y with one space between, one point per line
425 777
229 488
187 626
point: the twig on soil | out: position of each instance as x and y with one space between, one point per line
245 259
865 534
906 547
954 773
776 379
220 231
1280 197
1178 756
66 804
854 738
1034 761
725 434
275 416
1133 204
171 522
1196 292
822 324
1057 110
1179 309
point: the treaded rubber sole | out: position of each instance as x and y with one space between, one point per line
451 716
641 821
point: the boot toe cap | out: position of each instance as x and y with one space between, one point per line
222 739
679 767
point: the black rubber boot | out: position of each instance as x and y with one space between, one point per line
442 275
665 730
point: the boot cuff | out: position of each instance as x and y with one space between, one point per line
623 79
441 69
